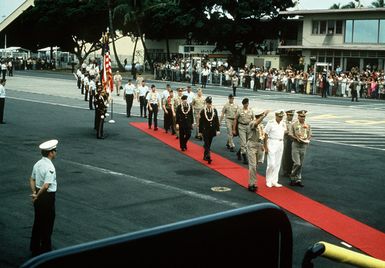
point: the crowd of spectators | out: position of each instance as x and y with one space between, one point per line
368 83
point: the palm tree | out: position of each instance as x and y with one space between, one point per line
378 4
112 33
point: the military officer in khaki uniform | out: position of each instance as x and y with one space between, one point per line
198 104
301 134
287 162
243 118
255 148
229 110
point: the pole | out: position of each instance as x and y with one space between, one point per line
112 121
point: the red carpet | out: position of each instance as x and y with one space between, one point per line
357 234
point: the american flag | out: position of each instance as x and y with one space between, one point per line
108 82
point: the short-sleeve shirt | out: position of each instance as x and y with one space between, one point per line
153 97
274 130
129 89
302 131
244 116
44 172
229 110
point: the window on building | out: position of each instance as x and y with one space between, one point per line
315 27
348 31
331 26
322 27
381 32
339 27
365 31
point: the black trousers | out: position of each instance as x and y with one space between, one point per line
184 136
129 100
4 73
143 104
207 139
43 223
91 99
99 123
2 104
154 113
86 93
79 83
234 91
204 81
168 120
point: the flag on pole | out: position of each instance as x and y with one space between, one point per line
108 82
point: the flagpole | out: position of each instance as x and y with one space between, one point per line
107 79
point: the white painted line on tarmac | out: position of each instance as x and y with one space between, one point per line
157 184
352 145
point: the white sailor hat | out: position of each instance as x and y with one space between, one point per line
259 113
48 145
280 112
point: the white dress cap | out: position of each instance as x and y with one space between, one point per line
48 145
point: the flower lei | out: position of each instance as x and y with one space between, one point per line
212 116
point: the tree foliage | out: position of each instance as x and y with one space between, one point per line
378 4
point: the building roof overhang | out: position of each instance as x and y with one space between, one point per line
15 14
331 11
342 47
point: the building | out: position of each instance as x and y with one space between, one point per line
342 37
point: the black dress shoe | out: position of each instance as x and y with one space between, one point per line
300 184
227 146
183 149
209 160
292 183
232 149
252 188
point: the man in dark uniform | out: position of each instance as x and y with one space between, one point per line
287 161
101 109
43 186
184 122
208 127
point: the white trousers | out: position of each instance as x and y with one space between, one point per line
274 158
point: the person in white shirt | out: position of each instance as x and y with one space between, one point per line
205 73
118 82
3 69
274 133
86 82
190 95
153 103
43 185
2 100
129 93
142 94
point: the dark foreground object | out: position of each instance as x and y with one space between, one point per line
256 235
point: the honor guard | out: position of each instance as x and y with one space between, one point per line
208 127
128 96
43 186
301 134
287 162
243 117
274 132
255 148
86 86
92 93
153 103
101 109
198 104
169 112
184 122
229 111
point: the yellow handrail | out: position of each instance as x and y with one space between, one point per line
343 255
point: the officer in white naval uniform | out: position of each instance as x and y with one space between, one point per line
274 132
